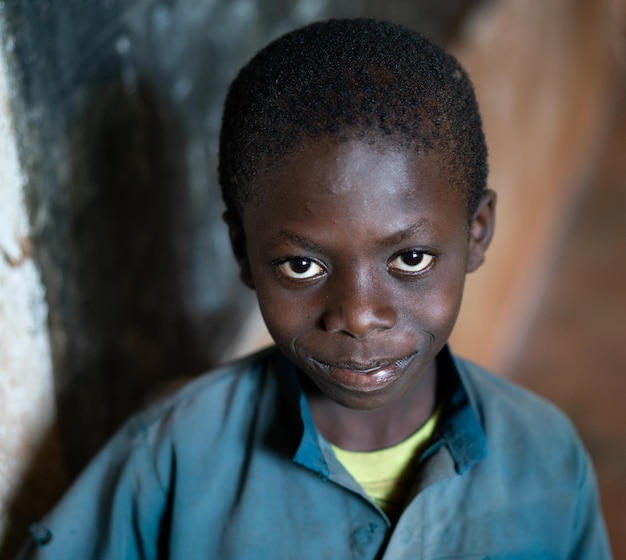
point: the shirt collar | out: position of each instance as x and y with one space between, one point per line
461 427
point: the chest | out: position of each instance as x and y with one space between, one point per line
271 508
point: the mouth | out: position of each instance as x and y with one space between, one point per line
371 375
366 368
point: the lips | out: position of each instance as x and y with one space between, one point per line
370 375
358 368
366 367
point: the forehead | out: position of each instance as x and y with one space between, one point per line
354 183
344 164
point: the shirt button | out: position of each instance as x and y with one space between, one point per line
363 536
41 534
406 535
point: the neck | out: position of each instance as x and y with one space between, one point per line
367 430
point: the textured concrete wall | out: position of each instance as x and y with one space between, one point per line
27 408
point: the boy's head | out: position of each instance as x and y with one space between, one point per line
351 156
353 78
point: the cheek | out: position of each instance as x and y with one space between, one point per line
449 303
436 307
286 315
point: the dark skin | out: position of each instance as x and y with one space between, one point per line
358 253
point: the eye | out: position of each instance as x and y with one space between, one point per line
300 268
412 262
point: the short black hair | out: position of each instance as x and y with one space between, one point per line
349 78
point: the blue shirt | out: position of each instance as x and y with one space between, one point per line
233 467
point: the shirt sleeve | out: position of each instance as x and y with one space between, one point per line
113 511
590 541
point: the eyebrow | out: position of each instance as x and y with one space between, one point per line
394 239
300 241
403 235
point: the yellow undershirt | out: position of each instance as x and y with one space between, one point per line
386 474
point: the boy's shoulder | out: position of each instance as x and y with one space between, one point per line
518 419
200 402
489 391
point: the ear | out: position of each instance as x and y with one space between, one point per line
481 230
240 249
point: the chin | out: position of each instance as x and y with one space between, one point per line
363 401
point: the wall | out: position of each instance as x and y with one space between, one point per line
27 407
545 78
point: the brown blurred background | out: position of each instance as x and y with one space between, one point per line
115 272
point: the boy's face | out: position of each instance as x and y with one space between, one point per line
358 254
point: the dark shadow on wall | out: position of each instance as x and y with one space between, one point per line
128 219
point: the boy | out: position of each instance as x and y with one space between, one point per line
353 167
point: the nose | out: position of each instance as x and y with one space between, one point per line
358 306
